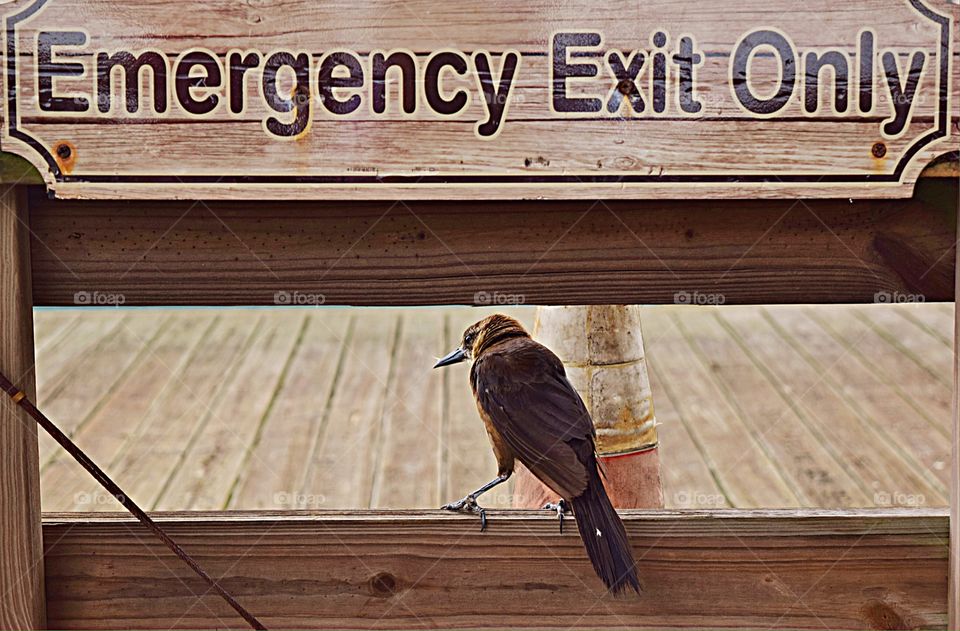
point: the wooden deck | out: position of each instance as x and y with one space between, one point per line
829 406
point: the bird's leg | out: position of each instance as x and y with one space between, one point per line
469 503
560 507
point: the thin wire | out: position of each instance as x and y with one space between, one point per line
19 398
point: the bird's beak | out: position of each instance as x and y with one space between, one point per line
455 357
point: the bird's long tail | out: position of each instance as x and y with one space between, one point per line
604 537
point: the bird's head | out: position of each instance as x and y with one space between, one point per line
481 335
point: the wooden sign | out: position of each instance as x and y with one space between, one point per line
494 99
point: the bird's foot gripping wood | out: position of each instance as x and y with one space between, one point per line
469 504
561 508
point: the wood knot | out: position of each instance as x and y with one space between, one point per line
880 615
383 585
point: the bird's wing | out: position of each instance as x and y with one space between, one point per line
525 392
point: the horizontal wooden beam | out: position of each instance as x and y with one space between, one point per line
576 252
861 569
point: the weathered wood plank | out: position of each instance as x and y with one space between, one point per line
341 464
872 462
953 593
753 569
408 453
921 440
56 360
21 561
147 464
816 476
275 471
217 453
590 151
748 475
687 480
461 253
118 419
887 357
97 373
935 321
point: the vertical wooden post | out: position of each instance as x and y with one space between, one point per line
602 350
953 592
21 551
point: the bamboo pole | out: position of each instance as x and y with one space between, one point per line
602 351
21 550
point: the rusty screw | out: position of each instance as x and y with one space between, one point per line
64 151
878 150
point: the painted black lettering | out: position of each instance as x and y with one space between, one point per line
328 82
496 95
132 67
788 67
48 69
563 70
408 74
687 59
626 75
814 64
901 95
238 65
299 103
187 81
435 99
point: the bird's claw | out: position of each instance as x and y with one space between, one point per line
469 504
560 507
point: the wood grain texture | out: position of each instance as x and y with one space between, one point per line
201 253
423 569
953 594
21 563
419 154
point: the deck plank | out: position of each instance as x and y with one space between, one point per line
408 452
50 324
341 468
810 469
687 480
217 453
748 476
56 358
928 395
936 322
119 418
275 473
145 467
919 440
868 458
97 372
338 410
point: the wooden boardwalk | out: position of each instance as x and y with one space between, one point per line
830 406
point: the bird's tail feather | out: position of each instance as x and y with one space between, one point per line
604 538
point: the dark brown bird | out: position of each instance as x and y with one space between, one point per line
533 414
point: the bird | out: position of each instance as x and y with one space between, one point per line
534 415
